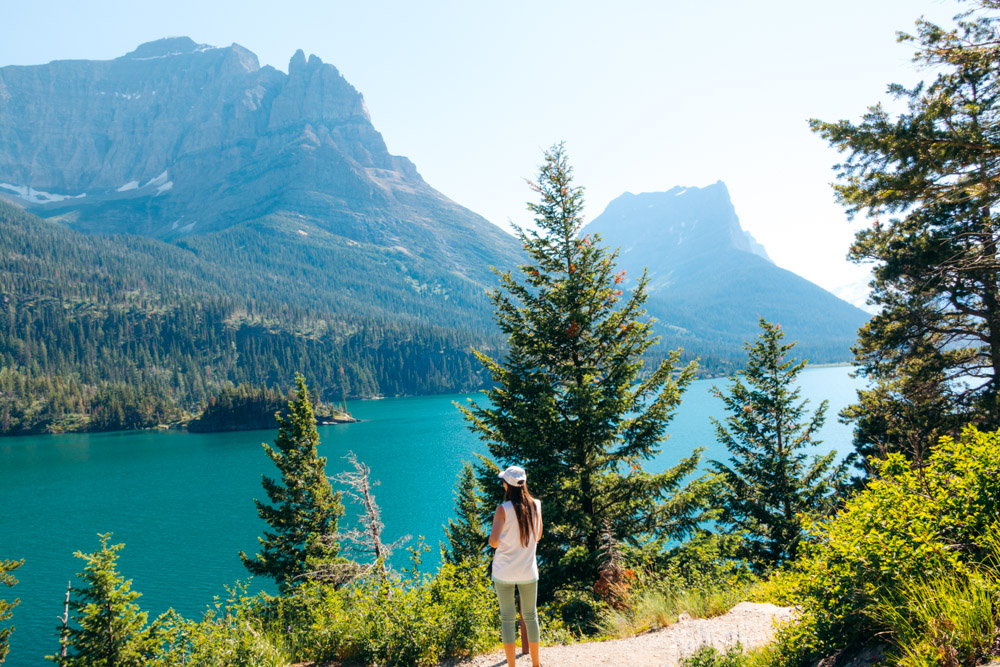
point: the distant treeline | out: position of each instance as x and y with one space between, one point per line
109 333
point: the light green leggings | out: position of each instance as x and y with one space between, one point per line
508 610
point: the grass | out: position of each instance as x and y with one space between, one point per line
945 621
658 607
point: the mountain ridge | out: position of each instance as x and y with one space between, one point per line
709 281
176 139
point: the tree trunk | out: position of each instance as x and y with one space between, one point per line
991 302
64 633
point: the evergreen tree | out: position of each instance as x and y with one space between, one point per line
110 629
7 608
304 510
467 537
571 403
769 482
933 352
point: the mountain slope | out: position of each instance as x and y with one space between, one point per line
114 332
709 281
177 139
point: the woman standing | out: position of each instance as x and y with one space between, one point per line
517 526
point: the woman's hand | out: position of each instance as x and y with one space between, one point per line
497 527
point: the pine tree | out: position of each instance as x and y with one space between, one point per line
932 353
110 629
572 403
7 608
769 482
467 537
304 510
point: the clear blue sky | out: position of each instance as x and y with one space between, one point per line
647 95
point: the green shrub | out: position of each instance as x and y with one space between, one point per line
708 656
234 632
414 621
910 525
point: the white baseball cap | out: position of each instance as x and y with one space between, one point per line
514 475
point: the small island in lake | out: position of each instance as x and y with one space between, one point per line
246 407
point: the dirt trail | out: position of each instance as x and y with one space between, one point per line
748 623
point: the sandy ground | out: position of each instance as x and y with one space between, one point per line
748 623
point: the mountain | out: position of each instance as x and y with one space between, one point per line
207 222
709 281
178 139
857 293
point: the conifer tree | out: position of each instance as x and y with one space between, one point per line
7 608
572 403
304 510
110 630
769 481
467 537
929 178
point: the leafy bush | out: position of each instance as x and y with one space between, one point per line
708 656
234 632
931 524
414 621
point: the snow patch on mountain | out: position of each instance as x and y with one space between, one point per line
29 194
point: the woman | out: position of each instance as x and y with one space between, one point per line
517 526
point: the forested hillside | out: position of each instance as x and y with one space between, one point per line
119 332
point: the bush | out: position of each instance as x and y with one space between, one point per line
235 632
414 621
932 524
708 656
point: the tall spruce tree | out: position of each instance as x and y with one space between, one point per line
769 482
930 179
7 608
108 629
304 509
572 403
467 537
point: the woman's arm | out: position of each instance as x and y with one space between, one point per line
539 506
497 527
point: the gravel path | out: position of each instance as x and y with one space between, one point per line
748 623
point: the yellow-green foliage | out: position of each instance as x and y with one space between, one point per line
233 632
908 526
454 613
409 622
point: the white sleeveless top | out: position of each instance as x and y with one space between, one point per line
514 563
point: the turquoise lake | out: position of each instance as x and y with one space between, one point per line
183 502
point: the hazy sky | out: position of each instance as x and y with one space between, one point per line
647 95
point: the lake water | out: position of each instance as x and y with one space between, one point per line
183 502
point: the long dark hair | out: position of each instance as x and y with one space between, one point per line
524 509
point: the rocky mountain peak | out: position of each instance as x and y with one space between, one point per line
168 46
687 221
297 63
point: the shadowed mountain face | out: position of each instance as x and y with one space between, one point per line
709 281
177 139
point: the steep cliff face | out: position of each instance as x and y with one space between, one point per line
178 138
709 281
